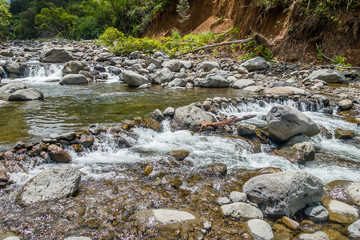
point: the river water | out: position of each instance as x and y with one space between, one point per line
68 108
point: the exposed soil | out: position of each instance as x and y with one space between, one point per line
290 31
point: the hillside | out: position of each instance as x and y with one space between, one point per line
291 31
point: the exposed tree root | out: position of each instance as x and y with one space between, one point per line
225 122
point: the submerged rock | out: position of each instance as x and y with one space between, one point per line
283 194
51 184
28 94
190 117
285 122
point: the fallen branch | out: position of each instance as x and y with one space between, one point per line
220 44
225 122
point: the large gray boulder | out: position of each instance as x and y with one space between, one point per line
73 67
208 66
190 117
212 81
328 75
28 94
51 184
72 79
10 88
257 63
55 55
172 65
134 79
163 76
14 68
285 122
285 193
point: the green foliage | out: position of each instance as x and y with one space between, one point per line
5 16
253 50
319 55
56 20
341 63
183 9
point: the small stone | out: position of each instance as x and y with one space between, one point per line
217 169
169 112
354 230
77 148
157 115
246 130
344 134
319 235
222 201
86 141
259 229
207 225
59 155
293 225
238 196
317 213
179 154
19 145
345 104
148 170
241 211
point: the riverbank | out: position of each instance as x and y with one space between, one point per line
199 183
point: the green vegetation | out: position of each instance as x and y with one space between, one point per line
252 49
4 19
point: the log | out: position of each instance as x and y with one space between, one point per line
221 44
225 122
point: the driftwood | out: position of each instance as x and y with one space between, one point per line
221 44
225 122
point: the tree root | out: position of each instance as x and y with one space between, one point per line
225 122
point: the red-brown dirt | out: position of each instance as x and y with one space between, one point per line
288 30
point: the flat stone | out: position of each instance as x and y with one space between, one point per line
243 83
343 134
259 229
328 75
288 91
241 211
340 212
314 236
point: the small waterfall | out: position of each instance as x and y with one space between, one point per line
44 72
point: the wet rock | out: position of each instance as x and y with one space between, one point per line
6 53
257 63
299 152
283 194
55 55
318 213
212 81
59 155
345 104
223 201
340 212
179 155
241 211
14 68
28 94
298 139
157 115
51 184
77 148
287 91
354 230
208 66
314 236
217 169
163 76
77 238
68 136
166 219
238 196
343 134
291 224
10 88
4 179
328 75
345 191
190 117
73 67
72 79
134 79
243 83
246 130
169 112
259 229
285 122
19 145
172 65
148 170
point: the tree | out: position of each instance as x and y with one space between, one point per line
5 16
56 20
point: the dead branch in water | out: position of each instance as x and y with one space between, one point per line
225 122
221 44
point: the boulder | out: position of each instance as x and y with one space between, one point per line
343 134
134 79
154 61
243 83
104 56
285 122
59 155
345 191
246 130
254 89
354 230
284 193
186 64
8 89
6 53
51 184
172 65
208 66
163 76
86 141
212 81
177 82
14 67
55 55
328 75
287 91
259 229
190 117
73 67
319 235
28 94
340 212
241 211
257 63
72 79
298 153
345 104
